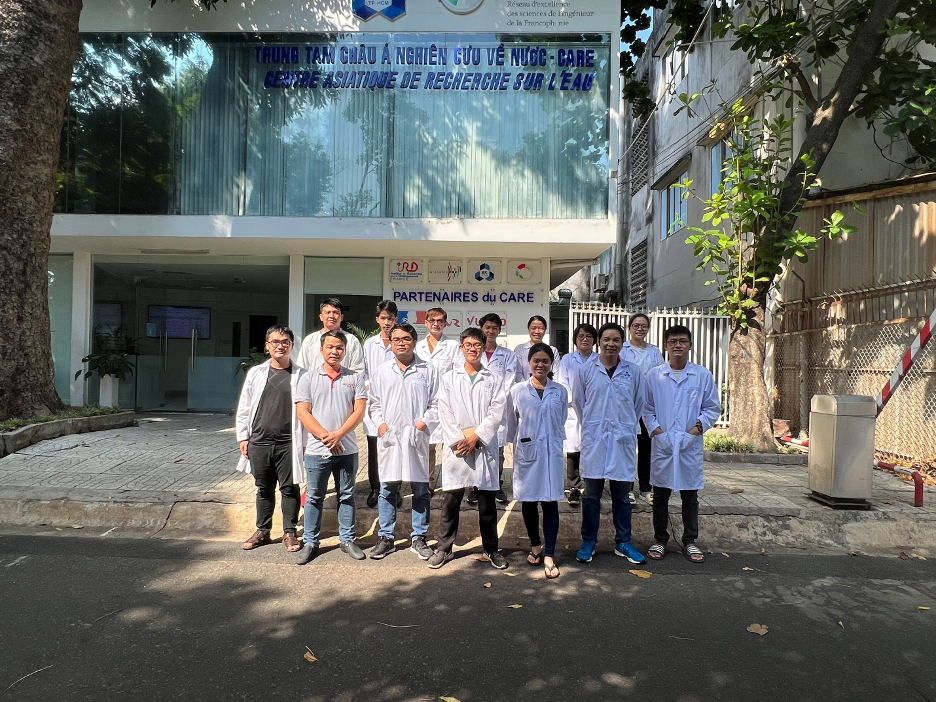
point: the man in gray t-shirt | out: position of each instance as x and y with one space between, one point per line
330 402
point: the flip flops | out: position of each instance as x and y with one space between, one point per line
535 559
551 571
656 552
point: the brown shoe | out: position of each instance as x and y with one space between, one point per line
259 538
291 542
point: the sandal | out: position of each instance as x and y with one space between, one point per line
291 542
552 571
693 553
535 559
259 538
656 552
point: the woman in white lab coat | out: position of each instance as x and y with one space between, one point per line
584 339
540 410
536 328
645 356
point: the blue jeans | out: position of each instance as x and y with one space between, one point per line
620 509
318 468
386 508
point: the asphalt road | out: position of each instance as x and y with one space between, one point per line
91 617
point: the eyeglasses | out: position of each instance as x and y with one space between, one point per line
279 342
401 340
678 342
584 337
640 326
436 320
472 347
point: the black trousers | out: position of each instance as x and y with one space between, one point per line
272 464
573 474
690 514
448 520
373 477
643 459
550 524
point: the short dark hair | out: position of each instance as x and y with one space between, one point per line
587 328
281 329
387 306
545 348
491 317
436 311
677 329
633 317
331 302
537 318
610 326
336 334
472 333
408 328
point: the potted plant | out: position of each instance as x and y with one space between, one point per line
110 360
254 358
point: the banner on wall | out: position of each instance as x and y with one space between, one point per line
406 270
458 320
445 271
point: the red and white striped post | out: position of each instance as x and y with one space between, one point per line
906 361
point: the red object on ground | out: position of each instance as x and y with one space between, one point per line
915 474
797 442
926 333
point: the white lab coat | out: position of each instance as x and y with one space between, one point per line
565 376
503 362
522 352
400 399
247 409
608 409
652 355
310 352
375 355
444 357
675 406
463 405
539 466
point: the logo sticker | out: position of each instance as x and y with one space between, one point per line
391 9
461 7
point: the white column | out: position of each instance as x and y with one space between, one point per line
297 298
82 301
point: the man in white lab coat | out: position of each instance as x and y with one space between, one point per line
681 405
443 354
608 397
310 352
504 362
584 339
377 351
403 407
472 400
270 438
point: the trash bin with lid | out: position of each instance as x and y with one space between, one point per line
841 446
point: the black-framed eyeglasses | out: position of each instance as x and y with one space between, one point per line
279 342
401 340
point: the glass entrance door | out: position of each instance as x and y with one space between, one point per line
193 318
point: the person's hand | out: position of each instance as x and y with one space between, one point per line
331 439
421 426
337 449
694 432
243 449
466 445
657 431
382 429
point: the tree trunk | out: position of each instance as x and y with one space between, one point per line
747 392
38 46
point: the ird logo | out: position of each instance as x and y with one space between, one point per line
391 9
407 267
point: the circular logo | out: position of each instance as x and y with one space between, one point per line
523 272
461 7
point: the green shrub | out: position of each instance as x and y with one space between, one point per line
726 444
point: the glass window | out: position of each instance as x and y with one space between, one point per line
60 318
673 207
202 124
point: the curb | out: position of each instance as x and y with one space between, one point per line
18 439
722 528
776 459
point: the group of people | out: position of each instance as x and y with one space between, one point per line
609 416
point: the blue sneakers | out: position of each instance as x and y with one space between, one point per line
585 553
626 549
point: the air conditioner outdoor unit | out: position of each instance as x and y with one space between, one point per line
600 283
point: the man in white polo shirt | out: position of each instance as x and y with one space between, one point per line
330 403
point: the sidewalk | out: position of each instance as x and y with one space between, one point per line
174 475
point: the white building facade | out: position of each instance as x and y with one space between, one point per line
223 171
